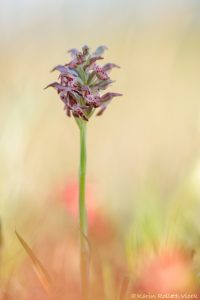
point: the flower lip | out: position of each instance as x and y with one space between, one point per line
81 81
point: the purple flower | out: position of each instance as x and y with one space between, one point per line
81 82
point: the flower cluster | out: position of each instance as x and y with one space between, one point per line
81 81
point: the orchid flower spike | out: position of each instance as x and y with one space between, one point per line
81 82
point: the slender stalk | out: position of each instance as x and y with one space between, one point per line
84 255
82 179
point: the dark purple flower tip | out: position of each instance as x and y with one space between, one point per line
85 50
81 82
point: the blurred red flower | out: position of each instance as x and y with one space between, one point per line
101 228
169 272
69 195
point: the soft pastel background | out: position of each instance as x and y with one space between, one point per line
143 153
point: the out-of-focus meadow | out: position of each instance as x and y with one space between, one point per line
143 171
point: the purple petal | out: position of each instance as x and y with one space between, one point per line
101 111
60 68
100 50
100 73
110 66
60 88
64 70
102 85
108 96
67 111
92 100
92 60
73 52
85 50
78 112
55 85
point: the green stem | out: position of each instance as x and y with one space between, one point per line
84 255
82 179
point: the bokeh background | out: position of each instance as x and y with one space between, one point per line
143 153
